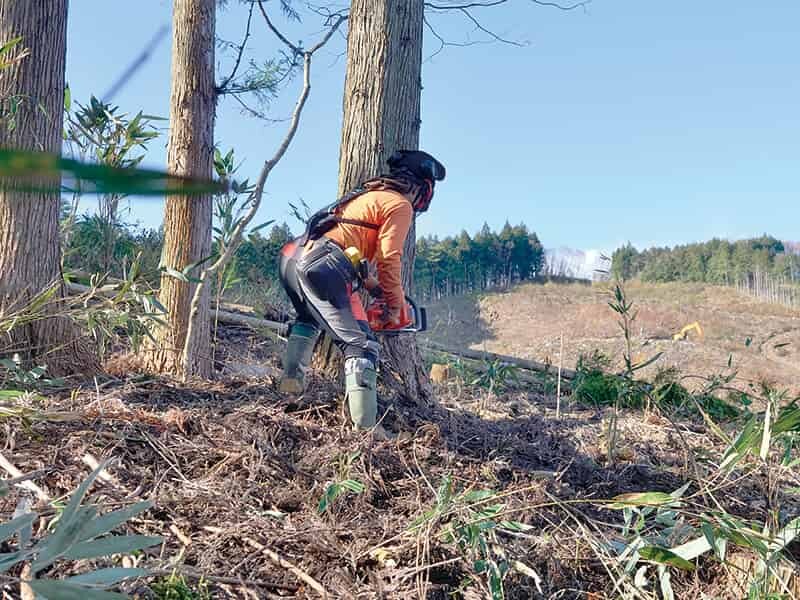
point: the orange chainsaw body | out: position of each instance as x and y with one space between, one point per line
377 313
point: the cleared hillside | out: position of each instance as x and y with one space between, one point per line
527 321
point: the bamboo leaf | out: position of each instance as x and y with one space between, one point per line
176 274
522 568
7 530
353 486
663 556
515 526
113 544
108 577
647 362
743 444
51 589
665 583
70 524
10 44
41 171
478 496
640 499
106 523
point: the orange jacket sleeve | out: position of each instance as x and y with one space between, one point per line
389 256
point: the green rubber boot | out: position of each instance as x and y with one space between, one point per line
361 390
299 351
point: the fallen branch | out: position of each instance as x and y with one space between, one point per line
521 363
23 481
256 323
187 572
282 562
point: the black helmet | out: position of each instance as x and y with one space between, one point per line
420 163
423 167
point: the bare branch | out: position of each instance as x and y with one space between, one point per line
255 198
222 88
461 6
488 32
466 9
295 49
341 19
583 4
443 42
325 11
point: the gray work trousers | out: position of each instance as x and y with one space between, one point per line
319 283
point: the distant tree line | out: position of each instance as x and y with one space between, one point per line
717 261
463 264
444 266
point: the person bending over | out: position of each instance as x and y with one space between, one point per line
321 280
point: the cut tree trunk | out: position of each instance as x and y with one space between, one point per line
187 219
382 114
30 253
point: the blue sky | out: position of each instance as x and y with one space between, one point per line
654 122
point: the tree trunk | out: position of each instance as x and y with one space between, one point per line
382 114
30 253
187 220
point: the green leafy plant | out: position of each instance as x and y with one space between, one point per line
229 210
7 56
342 484
14 374
670 532
81 533
497 376
653 524
99 132
175 587
121 309
471 521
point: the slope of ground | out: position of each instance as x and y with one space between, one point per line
528 321
237 472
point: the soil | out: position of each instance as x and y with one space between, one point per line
234 467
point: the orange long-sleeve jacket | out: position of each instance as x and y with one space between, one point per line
393 214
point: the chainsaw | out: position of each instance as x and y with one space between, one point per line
413 318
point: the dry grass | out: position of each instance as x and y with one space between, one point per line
235 468
527 322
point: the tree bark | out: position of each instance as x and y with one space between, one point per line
187 219
382 114
30 253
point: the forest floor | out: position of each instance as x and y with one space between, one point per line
237 473
762 340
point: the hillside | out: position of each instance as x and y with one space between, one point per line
245 481
527 322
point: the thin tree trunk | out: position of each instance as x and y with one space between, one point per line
381 115
30 253
187 220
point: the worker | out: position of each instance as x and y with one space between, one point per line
321 280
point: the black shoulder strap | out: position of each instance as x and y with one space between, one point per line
326 218
357 222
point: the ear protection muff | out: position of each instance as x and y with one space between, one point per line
424 196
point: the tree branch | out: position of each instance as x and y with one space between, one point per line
583 4
443 42
221 89
295 49
255 198
488 32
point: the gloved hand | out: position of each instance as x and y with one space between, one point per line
373 286
392 318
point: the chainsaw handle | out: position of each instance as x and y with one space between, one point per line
419 314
